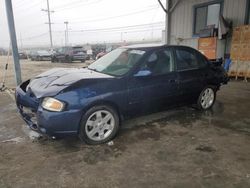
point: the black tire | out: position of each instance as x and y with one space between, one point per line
68 59
199 101
53 60
82 132
82 61
61 60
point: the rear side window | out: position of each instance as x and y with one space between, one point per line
159 62
202 60
186 59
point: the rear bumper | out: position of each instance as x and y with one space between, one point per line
58 124
225 78
45 58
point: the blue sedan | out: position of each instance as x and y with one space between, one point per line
129 81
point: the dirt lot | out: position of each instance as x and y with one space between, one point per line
178 148
31 68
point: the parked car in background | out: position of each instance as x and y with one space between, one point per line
133 80
3 52
40 55
99 55
23 55
104 52
96 49
69 54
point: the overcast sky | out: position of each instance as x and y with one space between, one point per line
90 21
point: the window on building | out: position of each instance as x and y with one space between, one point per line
205 15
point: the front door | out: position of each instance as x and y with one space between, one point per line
155 85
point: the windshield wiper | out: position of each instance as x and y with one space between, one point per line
92 69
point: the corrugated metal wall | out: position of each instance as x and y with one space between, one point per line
182 19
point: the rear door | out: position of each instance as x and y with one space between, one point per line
191 73
158 89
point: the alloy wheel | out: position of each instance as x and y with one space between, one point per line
100 125
207 98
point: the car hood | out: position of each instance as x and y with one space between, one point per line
55 80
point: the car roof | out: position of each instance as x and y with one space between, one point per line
152 46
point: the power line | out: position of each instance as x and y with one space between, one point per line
35 36
68 4
29 7
77 5
115 28
118 16
119 31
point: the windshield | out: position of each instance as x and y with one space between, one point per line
117 62
43 52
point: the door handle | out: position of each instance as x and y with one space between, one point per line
173 81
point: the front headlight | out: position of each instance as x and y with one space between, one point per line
52 104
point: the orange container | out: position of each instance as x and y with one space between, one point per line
236 51
236 35
245 34
244 53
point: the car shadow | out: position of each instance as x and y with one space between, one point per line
150 127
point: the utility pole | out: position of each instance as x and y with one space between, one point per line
66 33
49 23
12 31
122 36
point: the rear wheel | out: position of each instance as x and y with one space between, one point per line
99 124
207 98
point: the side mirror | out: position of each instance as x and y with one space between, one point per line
141 73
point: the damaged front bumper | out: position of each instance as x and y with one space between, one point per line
27 106
53 124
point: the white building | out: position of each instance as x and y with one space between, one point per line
190 16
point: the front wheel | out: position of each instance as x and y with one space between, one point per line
99 124
207 98
53 59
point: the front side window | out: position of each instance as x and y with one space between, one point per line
206 15
159 62
117 62
186 60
